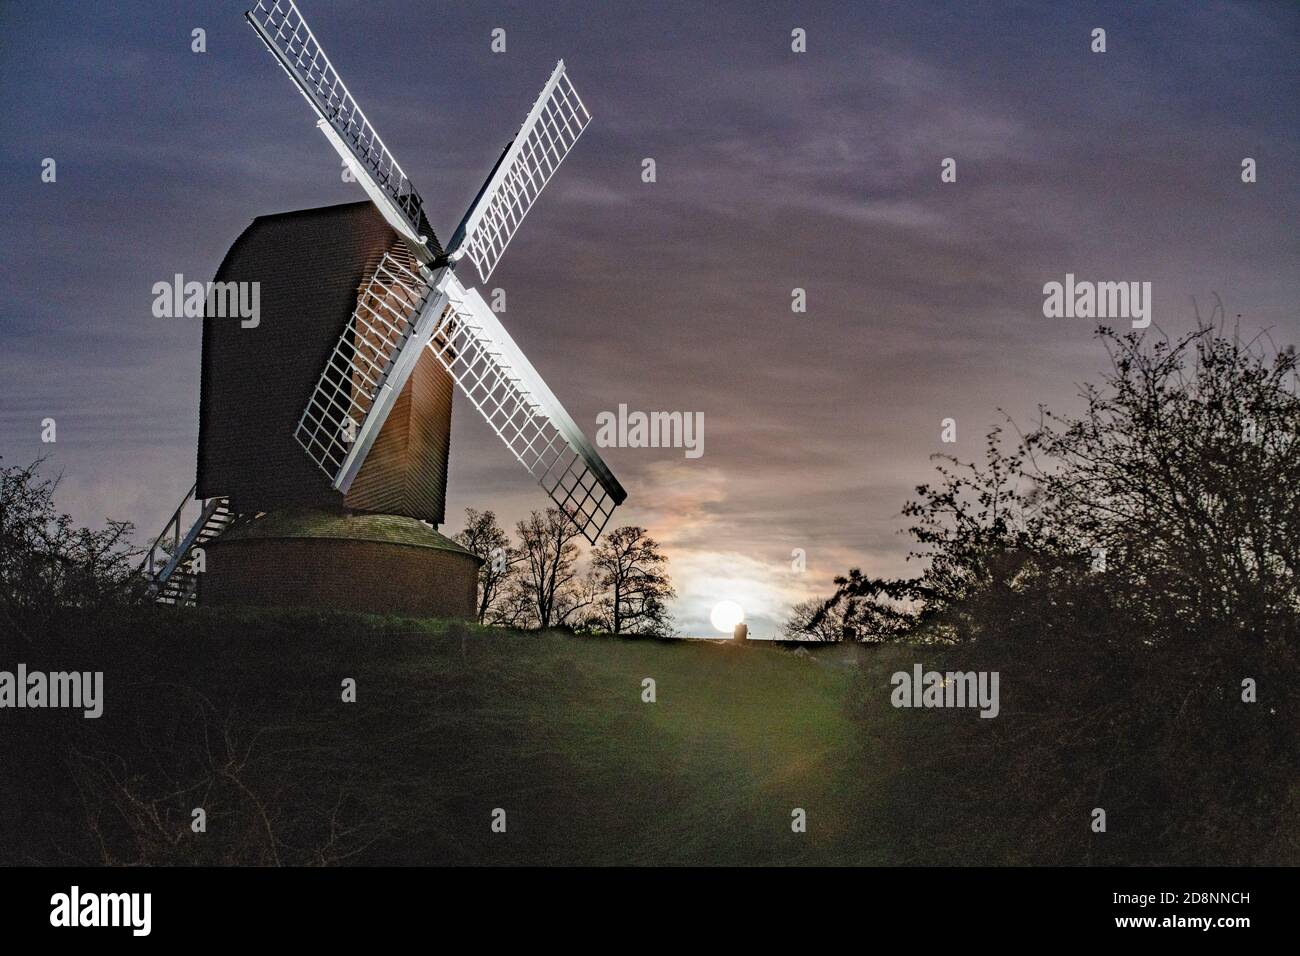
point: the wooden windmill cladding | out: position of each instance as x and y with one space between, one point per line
406 469
255 382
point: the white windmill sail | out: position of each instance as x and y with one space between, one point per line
509 393
549 131
395 315
286 34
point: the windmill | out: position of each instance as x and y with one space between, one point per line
363 399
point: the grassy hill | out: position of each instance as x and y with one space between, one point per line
240 713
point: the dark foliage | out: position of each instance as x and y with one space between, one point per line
1125 571
48 565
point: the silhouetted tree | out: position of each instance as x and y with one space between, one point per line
633 580
1182 477
501 563
549 576
1177 486
811 620
49 565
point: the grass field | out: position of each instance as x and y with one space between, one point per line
241 713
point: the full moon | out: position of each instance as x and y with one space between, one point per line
726 615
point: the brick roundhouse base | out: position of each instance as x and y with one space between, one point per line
379 564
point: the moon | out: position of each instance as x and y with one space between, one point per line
726 615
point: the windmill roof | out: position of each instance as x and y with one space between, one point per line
308 214
353 526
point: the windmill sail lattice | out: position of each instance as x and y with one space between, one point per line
503 385
369 365
286 34
550 130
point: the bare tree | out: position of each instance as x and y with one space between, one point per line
516 608
576 603
811 620
550 567
501 564
630 569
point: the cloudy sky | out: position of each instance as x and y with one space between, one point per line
775 170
